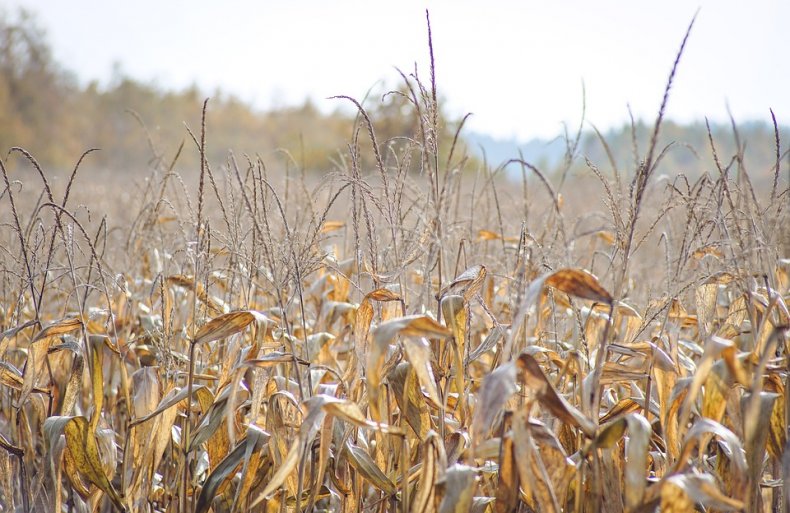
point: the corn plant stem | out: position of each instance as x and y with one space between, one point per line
300 480
19 454
648 392
405 467
287 325
298 282
186 433
126 452
600 360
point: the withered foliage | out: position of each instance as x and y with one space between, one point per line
386 341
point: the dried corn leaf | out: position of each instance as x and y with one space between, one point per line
227 468
538 490
639 433
690 489
705 296
418 352
777 430
531 375
434 463
714 348
273 359
173 398
83 452
455 316
495 391
579 283
708 250
212 428
364 464
188 283
12 378
61 327
467 284
350 412
507 492
458 489
364 315
10 333
411 403
307 431
37 354
758 408
714 401
708 427
226 325
73 387
416 326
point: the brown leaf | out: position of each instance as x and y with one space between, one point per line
467 284
579 283
777 431
700 431
432 465
538 490
211 429
507 492
714 348
61 327
488 235
696 489
273 359
37 354
495 391
383 335
188 282
74 385
364 315
623 407
411 403
705 296
758 408
364 464
307 432
226 325
709 249
350 412
418 352
533 378
639 433
455 316
173 398
606 236
254 441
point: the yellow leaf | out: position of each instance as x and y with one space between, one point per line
81 444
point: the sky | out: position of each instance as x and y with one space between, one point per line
520 67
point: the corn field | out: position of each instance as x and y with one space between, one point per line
421 336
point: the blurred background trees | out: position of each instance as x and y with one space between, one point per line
45 109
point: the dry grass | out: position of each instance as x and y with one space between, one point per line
381 341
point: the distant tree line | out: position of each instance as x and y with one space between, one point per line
44 109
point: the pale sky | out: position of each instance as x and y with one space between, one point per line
518 66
